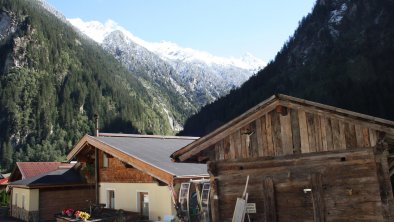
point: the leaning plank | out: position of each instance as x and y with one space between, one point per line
319 209
269 200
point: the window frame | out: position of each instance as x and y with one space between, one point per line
110 203
105 160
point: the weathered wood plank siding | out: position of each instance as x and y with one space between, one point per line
119 172
277 186
293 131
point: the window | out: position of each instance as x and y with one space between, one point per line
111 199
23 201
105 160
16 199
144 204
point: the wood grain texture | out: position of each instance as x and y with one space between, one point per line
329 139
259 137
276 133
366 137
336 134
232 147
372 137
253 146
342 136
345 188
286 134
269 200
350 135
319 208
310 120
318 133
295 130
303 132
264 136
270 142
359 136
226 148
238 146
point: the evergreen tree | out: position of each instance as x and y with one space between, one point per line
7 154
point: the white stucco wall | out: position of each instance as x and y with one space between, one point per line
31 198
126 197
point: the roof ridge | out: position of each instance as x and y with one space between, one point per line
146 136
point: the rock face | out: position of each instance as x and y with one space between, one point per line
158 76
342 54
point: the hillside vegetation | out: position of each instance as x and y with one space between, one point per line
342 54
53 81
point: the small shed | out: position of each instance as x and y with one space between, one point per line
40 197
306 161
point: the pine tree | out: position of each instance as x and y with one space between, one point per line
7 153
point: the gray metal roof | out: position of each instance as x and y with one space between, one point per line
57 177
156 151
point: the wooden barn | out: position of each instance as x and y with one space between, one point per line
306 162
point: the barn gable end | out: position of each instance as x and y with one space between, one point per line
306 162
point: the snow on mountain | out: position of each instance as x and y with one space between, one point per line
167 50
198 77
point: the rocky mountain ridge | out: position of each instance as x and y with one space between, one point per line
204 77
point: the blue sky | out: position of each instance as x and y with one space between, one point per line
221 27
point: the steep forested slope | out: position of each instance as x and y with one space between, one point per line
342 54
52 82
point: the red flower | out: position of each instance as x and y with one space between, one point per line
69 211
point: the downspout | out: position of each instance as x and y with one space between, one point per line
96 156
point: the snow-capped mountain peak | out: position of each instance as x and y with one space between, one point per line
165 49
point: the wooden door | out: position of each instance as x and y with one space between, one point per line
289 200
